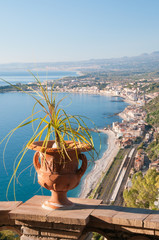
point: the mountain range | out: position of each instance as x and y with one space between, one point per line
140 64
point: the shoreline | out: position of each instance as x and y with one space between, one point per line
101 165
79 73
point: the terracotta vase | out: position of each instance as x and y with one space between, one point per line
59 173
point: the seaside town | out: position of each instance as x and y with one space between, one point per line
131 160
129 137
133 133
127 174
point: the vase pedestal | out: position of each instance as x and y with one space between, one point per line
58 200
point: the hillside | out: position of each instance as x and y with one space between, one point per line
152 109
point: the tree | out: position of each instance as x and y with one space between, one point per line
153 148
8 235
144 190
140 146
97 236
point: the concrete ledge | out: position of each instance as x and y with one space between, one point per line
5 208
78 215
133 217
87 215
128 220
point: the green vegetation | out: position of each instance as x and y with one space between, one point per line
144 190
152 118
153 149
97 236
13 88
141 146
151 87
8 235
152 109
138 140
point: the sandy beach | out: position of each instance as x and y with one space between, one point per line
101 165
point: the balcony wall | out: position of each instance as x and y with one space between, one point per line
88 215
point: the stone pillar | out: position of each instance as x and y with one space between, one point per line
5 222
47 231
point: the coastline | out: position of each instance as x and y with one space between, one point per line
101 165
125 99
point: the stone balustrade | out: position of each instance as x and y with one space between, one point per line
88 215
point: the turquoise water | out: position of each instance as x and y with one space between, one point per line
15 107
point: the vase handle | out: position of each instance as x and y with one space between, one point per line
36 162
83 168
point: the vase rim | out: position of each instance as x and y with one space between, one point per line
71 146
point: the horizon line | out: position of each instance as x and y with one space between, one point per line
75 61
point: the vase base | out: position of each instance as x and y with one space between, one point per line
48 205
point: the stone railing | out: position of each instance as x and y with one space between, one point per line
88 215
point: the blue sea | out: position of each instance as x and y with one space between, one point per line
15 107
15 77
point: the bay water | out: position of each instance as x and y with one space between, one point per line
15 107
25 77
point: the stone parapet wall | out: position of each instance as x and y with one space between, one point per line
88 215
41 230
6 223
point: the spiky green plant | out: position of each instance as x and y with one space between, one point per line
53 123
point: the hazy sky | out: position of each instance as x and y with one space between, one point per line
68 30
